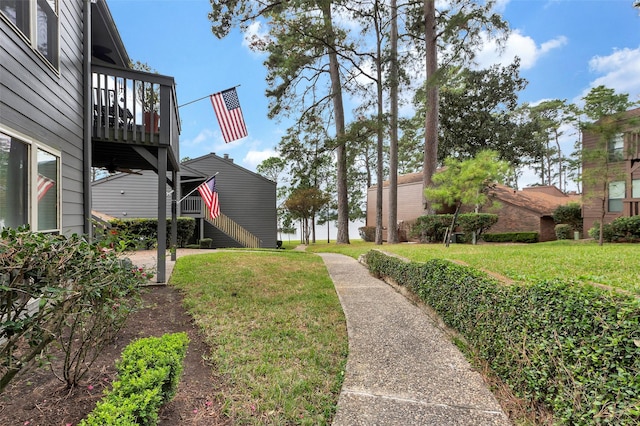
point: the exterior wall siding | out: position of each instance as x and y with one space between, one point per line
409 204
246 197
128 196
47 106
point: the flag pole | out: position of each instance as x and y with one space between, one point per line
196 188
205 97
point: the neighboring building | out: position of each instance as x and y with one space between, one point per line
69 102
246 198
518 211
622 197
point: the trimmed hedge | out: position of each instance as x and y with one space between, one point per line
511 237
141 233
148 376
572 348
563 231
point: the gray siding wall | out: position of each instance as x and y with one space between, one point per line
246 197
47 106
128 195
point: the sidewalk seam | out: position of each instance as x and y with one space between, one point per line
419 402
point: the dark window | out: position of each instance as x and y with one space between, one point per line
14 182
44 15
17 11
47 30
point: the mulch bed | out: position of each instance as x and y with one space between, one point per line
38 398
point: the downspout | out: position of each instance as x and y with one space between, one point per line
87 158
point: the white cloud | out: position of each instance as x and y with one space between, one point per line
255 32
204 136
501 5
518 45
253 158
619 71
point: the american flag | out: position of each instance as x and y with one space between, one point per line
226 105
208 192
44 185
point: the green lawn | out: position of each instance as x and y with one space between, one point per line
276 329
615 265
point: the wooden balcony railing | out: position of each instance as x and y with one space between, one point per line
134 107
233 230
191 205
194 205
631 207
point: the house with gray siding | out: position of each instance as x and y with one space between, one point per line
247 201
70 102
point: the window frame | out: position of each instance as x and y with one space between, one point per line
610 198
31 7
615 147
33 146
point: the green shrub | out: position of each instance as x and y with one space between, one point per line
563 231
148 376
626 229
511 237
205 243
570 214
431 228
476 222
573 349
142 233
367 233
607 232
60 289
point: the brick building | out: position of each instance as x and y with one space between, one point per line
530 209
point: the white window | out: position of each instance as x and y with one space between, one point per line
635 188
616 148
616 194
38 22
29 179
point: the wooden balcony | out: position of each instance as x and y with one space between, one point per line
192 206
631 207
133 110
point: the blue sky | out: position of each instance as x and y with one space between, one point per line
566 47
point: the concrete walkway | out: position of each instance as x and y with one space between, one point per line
401 369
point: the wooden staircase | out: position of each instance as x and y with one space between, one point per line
233 230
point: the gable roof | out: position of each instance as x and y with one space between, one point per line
196 164
541 200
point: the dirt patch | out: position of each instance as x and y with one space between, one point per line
38 398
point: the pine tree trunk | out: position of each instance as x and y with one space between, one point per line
431 120
392 233
338 110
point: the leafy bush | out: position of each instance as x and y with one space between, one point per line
476 222
367 233
563 231
148 377
142 234
622 229
205 243
626 229
64 289
431 228
574 349
511 237
570 214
